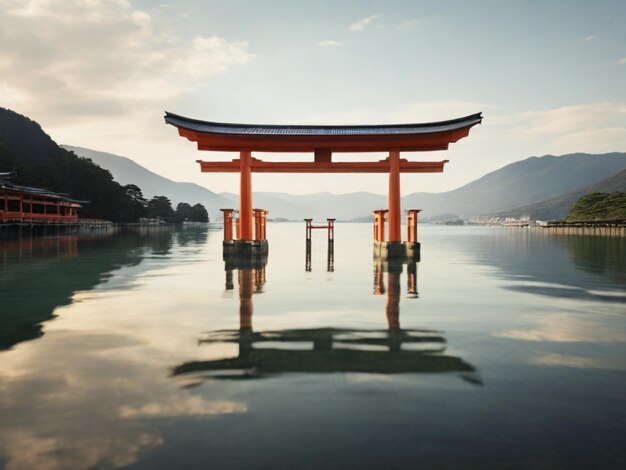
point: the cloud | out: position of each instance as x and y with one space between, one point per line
362 23
26 449
185 406
503 138
622 61
328 43
565 328
578 362
590 38
566 121
410 112
408 24
70 58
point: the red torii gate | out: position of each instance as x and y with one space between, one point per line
322 141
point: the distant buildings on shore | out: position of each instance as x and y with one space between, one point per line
494 221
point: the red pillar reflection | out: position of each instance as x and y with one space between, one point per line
393 301
246 289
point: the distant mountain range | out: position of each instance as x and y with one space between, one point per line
558 207
525 182
126 171
540 186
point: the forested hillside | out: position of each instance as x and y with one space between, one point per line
599 206
40 162
559 206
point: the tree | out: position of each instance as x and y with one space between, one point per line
41 163
161 206
183 212
199 213
138 203
599 206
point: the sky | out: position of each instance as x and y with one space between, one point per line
548 76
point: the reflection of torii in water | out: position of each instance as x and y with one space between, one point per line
390 351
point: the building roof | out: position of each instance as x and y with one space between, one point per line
8 186
325 130
305 138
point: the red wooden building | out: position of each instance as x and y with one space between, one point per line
26 205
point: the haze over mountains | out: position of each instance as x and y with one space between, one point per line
521 183
558 207
518 186
126 171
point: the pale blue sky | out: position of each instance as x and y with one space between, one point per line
549 76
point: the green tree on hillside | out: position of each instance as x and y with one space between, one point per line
41 163
199 213
139 204
161 206
196 213
599 206
183 212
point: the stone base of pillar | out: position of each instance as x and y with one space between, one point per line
397 250
243 254
392 265
413 250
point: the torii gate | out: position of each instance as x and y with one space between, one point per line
322 141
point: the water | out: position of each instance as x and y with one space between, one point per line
140 351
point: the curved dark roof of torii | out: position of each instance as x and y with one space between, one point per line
304 138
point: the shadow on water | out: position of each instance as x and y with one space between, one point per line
574 267
38 275
604 257
392 350
193 236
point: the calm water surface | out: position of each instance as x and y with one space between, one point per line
501 348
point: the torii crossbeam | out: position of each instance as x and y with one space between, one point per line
322 141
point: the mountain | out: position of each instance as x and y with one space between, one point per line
599 206
559 206
40 162
125 171
521 183
527 181
318 206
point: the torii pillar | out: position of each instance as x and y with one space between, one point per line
395 235
246 227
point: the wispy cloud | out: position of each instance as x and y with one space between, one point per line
622 61
591 37
328 43
362 23
408 24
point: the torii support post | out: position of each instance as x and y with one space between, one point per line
411 225
393 248
379 225
412 245
330 257
260 220
228 223
330 253
396 250
394 198
245 198
238 252
331 230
